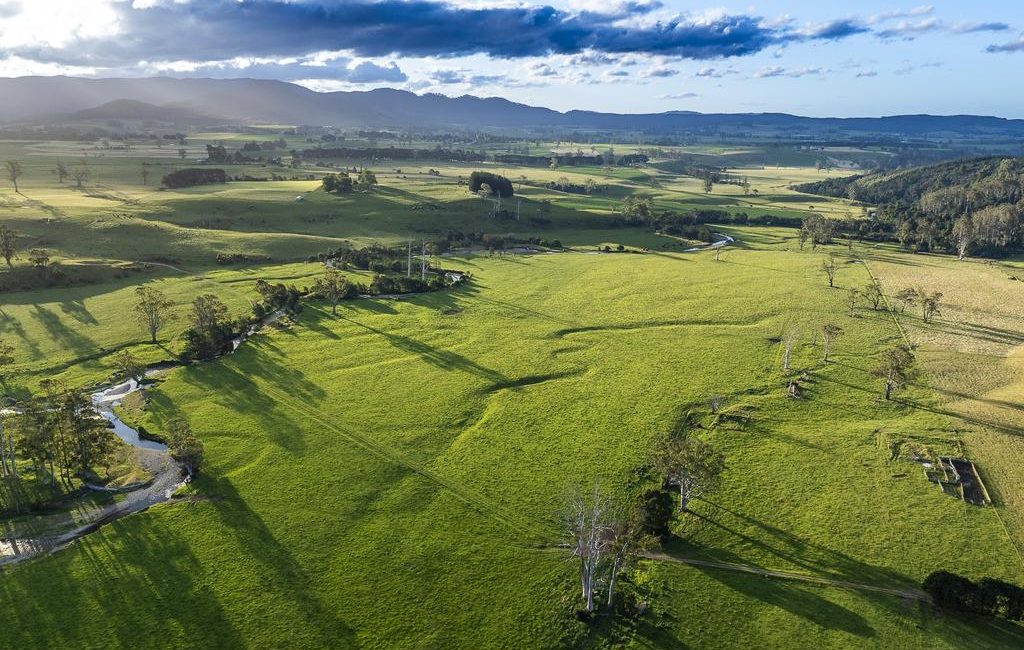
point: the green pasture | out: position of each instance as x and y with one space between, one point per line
392 476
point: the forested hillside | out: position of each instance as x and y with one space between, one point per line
964 206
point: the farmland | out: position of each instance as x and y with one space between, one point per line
393 475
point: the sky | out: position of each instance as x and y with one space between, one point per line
629 56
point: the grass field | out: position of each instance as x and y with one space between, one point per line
393 476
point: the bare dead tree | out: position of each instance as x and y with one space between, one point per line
789 338
963 235
829 267
626 542
588 526
829 333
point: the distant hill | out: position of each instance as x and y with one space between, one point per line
923 204
277 102
131 109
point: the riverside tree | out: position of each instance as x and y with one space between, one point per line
152 309
184 446
210 331
127 365
334 287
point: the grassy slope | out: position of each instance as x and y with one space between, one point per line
384 478
973 359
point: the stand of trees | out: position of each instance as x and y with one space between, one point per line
965 206
194 176
605 538
211 331
59 437
340 183
988 596
499 185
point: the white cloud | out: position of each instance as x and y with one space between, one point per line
55 23
14 66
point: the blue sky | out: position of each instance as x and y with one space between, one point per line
809 58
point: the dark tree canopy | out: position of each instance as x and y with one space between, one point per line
500 186
194 176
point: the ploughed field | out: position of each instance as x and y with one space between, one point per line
393 476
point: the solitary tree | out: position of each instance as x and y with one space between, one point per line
185 447
829 333
789 338
690 464
61 171
333 287
182 153
81 176
367 180
853 296
873 294
930 304
39 258
829 267
14 172
152 309
907 298
145 173
8 246
895 368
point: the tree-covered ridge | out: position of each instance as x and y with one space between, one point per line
991 180
963 205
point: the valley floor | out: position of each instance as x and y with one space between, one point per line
393 476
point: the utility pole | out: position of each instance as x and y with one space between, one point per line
423 263
519 202
408 266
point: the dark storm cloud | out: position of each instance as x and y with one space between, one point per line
221 29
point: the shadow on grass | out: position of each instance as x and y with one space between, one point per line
231 382
444 359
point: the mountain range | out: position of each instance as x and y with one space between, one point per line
254 101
